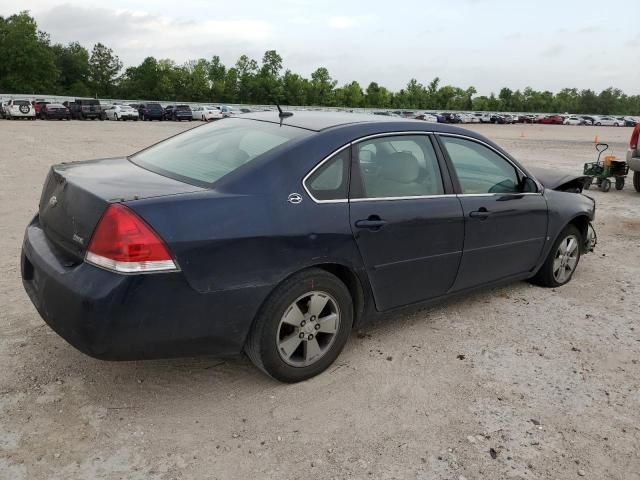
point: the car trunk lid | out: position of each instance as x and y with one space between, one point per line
75 195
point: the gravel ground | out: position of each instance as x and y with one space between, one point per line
517 382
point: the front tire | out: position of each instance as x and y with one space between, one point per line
302 327
605 186
562 261
619 183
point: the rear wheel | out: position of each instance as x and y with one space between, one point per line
619 183
605 185
302 328
562 261
636 181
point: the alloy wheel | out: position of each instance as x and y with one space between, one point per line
566 259
308 328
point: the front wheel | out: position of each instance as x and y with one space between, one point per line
598 124
562 260
302 327
605 186
636 181
619 183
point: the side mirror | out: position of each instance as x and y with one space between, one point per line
529 185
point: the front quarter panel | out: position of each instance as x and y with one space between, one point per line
565 207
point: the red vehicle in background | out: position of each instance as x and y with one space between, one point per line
37 106
552 120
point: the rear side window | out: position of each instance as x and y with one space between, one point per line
479 169
398 166
204 155
331 180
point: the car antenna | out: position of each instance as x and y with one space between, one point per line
282 114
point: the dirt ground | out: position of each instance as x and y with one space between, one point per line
517 382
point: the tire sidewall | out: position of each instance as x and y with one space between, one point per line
271 314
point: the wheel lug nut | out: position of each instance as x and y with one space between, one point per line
317 326
303 323
310 337
301 335
313 318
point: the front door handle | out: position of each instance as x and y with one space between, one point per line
374 222
482 213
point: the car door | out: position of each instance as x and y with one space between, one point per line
505 213
405 217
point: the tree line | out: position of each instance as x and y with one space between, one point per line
31 63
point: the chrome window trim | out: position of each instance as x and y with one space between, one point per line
413 197
413 132
501 155
313 170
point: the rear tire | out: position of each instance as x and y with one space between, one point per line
558 268
283 341
619 183
636 181
605 186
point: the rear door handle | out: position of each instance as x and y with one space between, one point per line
482 213
373 222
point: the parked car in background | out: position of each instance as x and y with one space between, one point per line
483 117
573 120
54 111
526 119
497 118
84 109
179 113
631 121
150 111
588 120
19 109
121 112
227 111
551 120
427 117
207 113
37 105
607 121
174 256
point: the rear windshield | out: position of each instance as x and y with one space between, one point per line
183 107
204 155
154 106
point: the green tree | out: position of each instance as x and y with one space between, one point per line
72 61
27 60
321 88
104 68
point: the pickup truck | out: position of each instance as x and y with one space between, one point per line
81 109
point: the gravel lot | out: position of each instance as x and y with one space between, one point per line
517 382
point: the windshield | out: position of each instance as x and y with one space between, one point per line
205 154
21 102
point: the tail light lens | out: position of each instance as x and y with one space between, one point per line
123 242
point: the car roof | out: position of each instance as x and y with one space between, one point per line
318 121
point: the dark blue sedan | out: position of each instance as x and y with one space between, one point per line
276 234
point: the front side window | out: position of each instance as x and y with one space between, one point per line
398 166
331 180
204 155
479 169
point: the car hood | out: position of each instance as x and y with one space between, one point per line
558 180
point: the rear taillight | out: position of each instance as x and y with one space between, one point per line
123 242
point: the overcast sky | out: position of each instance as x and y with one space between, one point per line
484 43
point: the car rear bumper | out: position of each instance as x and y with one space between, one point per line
125 317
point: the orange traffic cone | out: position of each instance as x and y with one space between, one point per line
596 139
